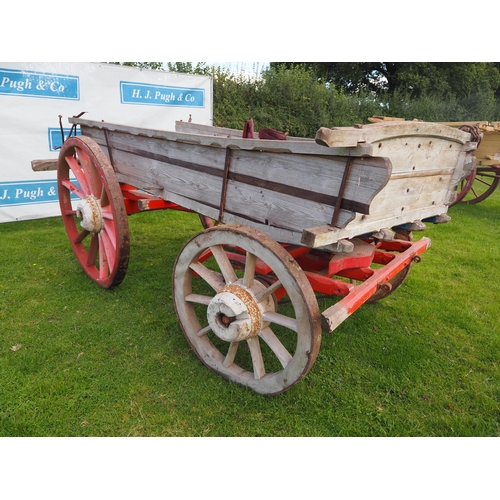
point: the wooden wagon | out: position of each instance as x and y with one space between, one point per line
483 180
290 220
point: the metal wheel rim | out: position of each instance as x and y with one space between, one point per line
103 252
222 360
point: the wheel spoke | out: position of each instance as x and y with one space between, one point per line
482 181
93 249
203 331
214 279
105 200
94 181
257 361
74 189
107 213
81 236
79 173
249 270
281 319
268 291
110 231
268 336
231 354
103 258
107 242
224 264
198 299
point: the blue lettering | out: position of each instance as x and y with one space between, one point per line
161 95
35 84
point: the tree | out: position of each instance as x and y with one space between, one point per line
440 79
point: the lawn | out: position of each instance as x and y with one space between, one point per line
78 360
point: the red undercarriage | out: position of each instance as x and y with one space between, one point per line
324 270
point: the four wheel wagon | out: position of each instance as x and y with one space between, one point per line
290 220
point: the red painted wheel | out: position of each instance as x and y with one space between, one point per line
485 181
96 220
395 282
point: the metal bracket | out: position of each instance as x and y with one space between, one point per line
340 196
225 180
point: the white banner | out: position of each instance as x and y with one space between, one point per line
33 95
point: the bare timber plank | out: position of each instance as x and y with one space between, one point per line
43 165
196 128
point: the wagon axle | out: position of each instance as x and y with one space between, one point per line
89 212
234 314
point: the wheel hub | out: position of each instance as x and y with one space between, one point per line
234 314
89 212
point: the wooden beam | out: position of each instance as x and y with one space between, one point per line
43 165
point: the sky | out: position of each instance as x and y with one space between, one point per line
240 68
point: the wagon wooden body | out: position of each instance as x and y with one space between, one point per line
289 219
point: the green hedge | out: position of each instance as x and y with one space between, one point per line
293 101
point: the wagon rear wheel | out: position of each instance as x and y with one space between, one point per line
96 219
227 306
395 282
464 187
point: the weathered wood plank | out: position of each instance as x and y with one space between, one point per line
315 174
278 209
377 132
44 165
196 128
472 124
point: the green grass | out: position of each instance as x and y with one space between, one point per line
94 362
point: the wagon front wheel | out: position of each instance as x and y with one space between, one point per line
93 211
227 303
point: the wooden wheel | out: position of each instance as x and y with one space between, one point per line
231 317
97 225
485 181
395 282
